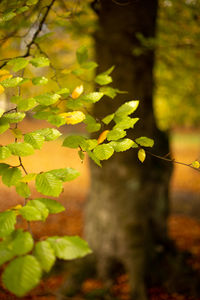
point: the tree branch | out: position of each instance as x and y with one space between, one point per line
27 53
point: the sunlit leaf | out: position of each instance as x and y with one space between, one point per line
196 164
77 92
102 136
4 152
144 141
45 255
22 274
53 206
21 149
7 222
103 152
18 63
127 108
11 176
73 117
69 247
23 189
48 184
141 155
40 62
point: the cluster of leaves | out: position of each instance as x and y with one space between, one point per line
26 258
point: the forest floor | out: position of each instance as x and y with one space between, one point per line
184 221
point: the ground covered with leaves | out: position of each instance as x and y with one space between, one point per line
184 222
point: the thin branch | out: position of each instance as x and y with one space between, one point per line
39 28
29 45
172 161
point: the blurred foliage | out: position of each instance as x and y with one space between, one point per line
177 93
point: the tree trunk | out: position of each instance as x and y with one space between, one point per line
126 214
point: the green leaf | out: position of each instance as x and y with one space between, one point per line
23 189
48 184
41 207
65 92
109 71
94 158
127 108
74 104
69 247
81 155
35 139
49 134
11 176
144 141
103 79
125 122
26 104
45 255
141 155
91 144
74 141
122 145
7 223
66 174
53 206
110 92
18 63
39 62
56 120
103 152
30 213
115 134
3 168
39 80
22 242
82 55
4 125
4 152
21 149
11 82
92 97
22 274
47 99
14 117
29 177
90 65
6 253
42 115
92 125
108 119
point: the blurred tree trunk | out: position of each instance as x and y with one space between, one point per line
126 214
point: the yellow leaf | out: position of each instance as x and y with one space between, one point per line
77 92
16 207
1 89
141 155
196 164
5 74
73 117
102 136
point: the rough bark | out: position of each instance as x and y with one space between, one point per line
126 214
